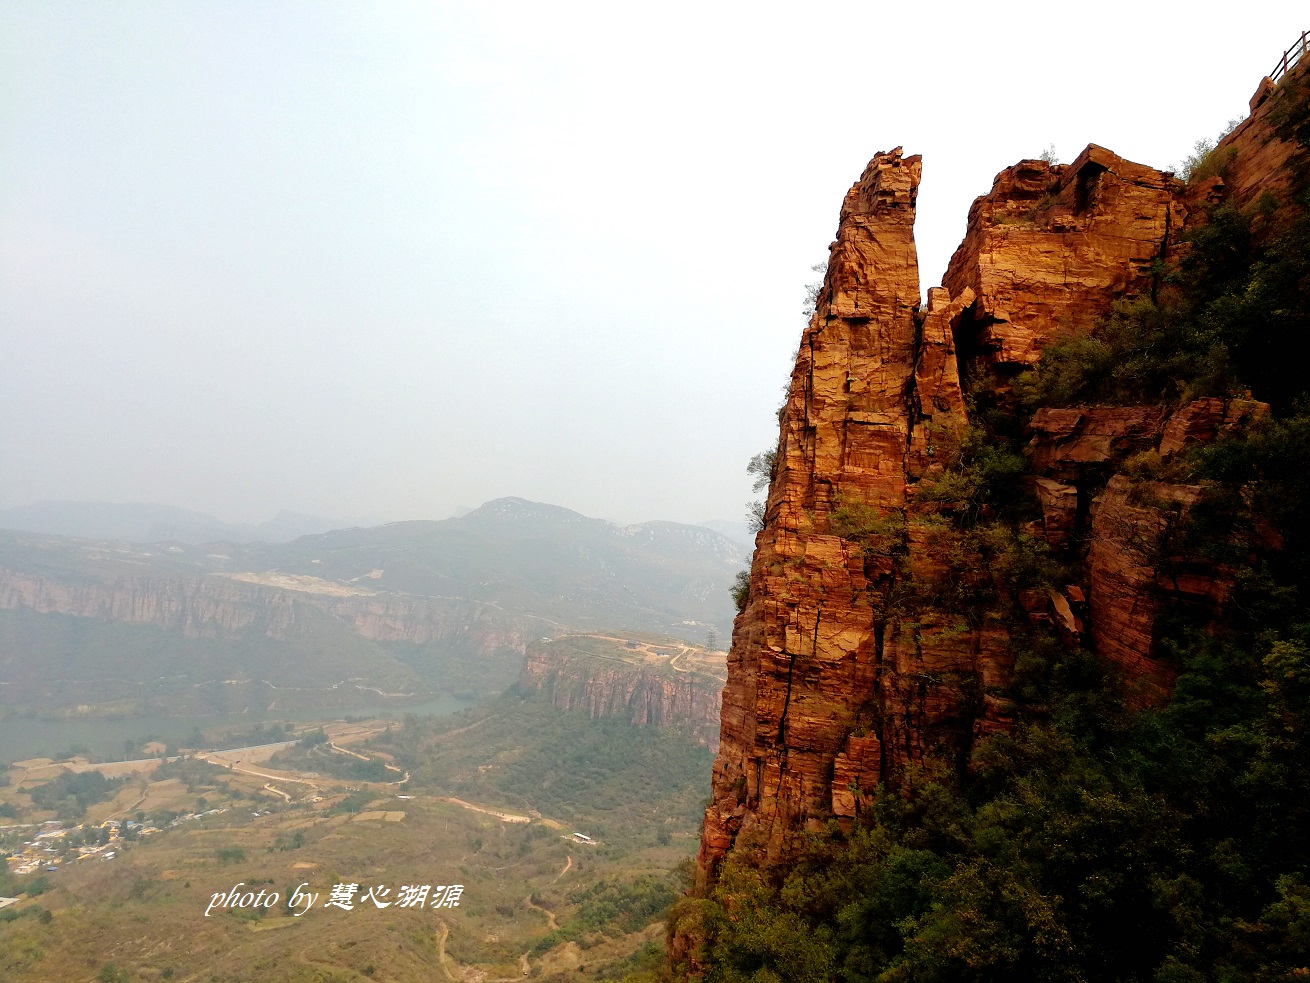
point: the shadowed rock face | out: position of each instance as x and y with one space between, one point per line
836 682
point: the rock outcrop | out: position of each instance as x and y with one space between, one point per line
1052 246
646 696
853 664
825 695
1261 155
217 607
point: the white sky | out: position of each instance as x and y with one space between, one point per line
387 259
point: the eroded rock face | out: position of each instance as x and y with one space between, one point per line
1125 530
1131 568
807 650
220 607
825 697
685 701
1077 442
1205 420
258 647
937 398
197 607
837 683
1259 155
1052 246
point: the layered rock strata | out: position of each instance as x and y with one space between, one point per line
1123 531
875 390
1052 246
649 697
1262 154
851 667
219 607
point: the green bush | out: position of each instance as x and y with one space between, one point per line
69 794
741 589
353 802
984 481
874 530
230 855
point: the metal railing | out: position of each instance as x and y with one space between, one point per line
1290 57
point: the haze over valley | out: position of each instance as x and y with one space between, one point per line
531 692
387 615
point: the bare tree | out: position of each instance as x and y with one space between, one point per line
812 289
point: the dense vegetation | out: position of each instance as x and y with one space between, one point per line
616 780
324 761
70 793
611 908
1097 841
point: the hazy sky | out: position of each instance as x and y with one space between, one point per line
387 259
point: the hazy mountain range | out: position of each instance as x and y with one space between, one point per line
146 522
394 611
142 522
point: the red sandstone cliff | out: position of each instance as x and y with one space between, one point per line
850 667
1256 156
834 684
1052 246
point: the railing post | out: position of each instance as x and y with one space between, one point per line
1292 56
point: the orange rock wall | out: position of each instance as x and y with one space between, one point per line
848 669
836 682
825 695
1052 246
1258 155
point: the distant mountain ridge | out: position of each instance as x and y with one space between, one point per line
399 610
146 522
737 530
535 558
151 522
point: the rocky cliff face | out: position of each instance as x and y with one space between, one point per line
217 607
811 646
176 644
1052 246
1258 156
646 696
877 638
197 607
